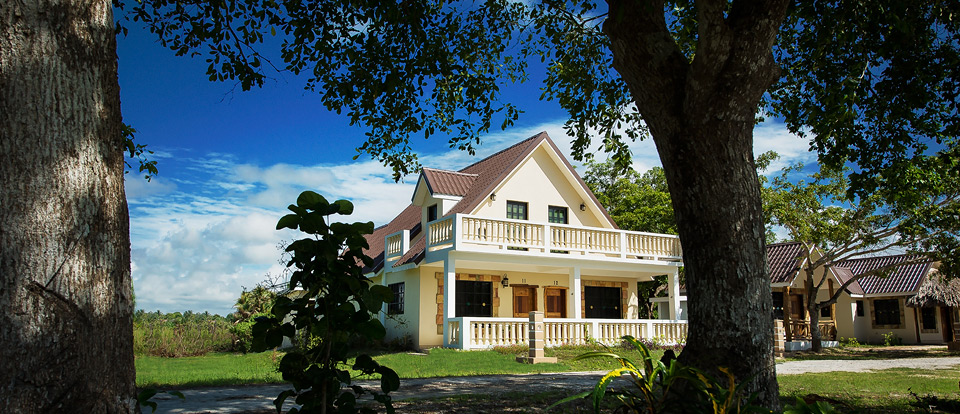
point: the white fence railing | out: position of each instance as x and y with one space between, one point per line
460 230
480 333
396 245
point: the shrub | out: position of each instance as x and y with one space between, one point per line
892 339
659 388
849 342
180 334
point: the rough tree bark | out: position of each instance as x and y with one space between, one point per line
701 116
65 291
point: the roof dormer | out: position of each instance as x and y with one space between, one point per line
437 191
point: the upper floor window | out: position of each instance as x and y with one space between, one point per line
516 210
431 213
557 215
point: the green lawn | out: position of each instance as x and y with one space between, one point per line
876 391
231 369
210 369
870 392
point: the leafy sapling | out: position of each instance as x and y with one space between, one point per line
334 303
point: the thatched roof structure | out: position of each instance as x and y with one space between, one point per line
935 291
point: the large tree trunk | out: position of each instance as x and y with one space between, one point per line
813 312
701 116
65 292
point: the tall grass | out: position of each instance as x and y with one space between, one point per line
179 335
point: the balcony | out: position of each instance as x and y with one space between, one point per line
472 233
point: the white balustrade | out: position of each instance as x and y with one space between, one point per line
480 333
550 238
454 336
441 232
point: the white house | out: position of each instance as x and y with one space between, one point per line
519 231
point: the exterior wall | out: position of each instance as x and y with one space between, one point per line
907 330
429 336
539 182
846 317
663 310
933 336
403 327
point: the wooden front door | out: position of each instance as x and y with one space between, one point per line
556 299
946 324
524 300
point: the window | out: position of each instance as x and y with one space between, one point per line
395 307
859 308
602 302
474 298
516 210
557 215
825 311
431 213
886 312
928 319
778 305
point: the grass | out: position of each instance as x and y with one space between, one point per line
872 352
208 370
886 391
452 363
233 369
875 391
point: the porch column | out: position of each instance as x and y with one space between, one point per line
449 297
787 301
673 293
383 308
575 290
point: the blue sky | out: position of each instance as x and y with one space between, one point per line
231 161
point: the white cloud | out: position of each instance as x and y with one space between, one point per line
772 136
138 187
196 245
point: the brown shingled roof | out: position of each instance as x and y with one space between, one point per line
784 260
899 279
408 219
474 183
448 182
843 275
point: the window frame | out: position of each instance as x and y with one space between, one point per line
525 206
395 307
564 210
924 320
470 290
882 314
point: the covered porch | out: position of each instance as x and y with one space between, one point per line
490 273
